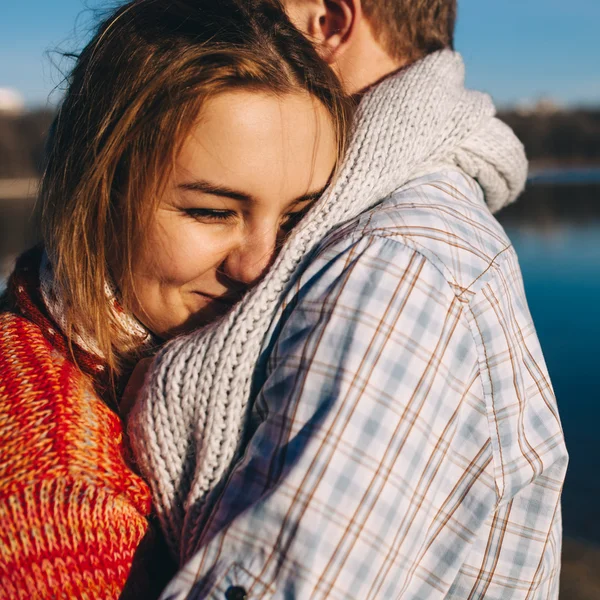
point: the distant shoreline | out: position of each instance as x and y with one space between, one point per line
561 165
541 172
19 189
537 164
580 578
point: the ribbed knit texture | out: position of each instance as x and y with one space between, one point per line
186 426
140 336
72 512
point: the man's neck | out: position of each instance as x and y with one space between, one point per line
365 64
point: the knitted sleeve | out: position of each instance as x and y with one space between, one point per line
65 538
72 512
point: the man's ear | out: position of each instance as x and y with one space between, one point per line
329 24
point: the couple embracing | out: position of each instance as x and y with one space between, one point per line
274 344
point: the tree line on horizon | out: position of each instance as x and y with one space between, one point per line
22 143
560 137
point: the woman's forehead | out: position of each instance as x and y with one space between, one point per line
260 145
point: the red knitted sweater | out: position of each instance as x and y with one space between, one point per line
72 513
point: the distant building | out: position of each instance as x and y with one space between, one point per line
11 102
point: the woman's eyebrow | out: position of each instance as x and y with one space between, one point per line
215 190
226 192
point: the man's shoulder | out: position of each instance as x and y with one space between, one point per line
443 216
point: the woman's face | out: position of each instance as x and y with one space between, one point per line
250 168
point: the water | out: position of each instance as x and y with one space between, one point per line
555 228
16 232
567 176
561 271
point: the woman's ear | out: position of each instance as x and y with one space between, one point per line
329 24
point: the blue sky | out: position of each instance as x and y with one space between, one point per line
517 50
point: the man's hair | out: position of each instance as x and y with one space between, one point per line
411 29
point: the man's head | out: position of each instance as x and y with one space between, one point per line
365 40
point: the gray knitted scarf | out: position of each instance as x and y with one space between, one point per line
187 425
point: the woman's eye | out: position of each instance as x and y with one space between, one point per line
211 215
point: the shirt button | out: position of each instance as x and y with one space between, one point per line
236 592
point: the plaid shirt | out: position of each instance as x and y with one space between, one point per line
406 442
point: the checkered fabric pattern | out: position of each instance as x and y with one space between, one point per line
405 440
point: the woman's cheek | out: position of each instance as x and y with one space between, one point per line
192 251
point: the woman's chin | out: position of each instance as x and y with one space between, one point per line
206 316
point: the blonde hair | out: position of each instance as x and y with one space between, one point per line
412 29
133 96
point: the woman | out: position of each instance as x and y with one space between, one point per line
192 138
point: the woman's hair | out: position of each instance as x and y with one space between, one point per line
133 96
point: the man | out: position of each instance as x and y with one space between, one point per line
367 41
406 442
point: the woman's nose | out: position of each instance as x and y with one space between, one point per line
249 260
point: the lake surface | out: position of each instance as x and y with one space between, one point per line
555 228
561 270
565 176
